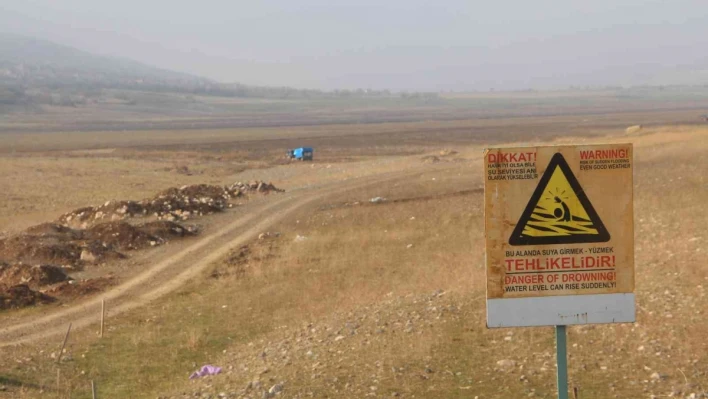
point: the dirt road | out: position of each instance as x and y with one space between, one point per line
174 271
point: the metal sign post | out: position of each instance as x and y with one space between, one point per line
562 362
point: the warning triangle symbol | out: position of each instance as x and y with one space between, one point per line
558 212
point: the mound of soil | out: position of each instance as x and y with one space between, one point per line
39 249
111 210
122 236
165 229
171 204
254 186
54 229
445 153
81 288
198 191
67 251
33 276
430 159
96 251
633 129
95 234
54 244
180 204
20 296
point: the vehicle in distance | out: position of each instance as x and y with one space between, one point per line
301 154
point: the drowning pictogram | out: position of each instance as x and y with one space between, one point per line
559 212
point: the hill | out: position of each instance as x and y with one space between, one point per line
30 61
35 71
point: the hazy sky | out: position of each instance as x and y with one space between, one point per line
395 44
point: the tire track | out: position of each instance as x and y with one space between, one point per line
174 271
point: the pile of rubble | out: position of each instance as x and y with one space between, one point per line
52 244
20 296
19 284
32 276
442 156
165 229
123 236
78 288
38 249
172 204
35 262
73 248
255 185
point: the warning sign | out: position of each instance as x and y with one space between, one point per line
559 212
559 232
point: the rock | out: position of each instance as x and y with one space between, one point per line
267 234
633 129
506 364
655 376
275 389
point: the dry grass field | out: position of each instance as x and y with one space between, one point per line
350 299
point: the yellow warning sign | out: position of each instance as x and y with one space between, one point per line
558 223
559 211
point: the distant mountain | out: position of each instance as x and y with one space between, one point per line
35 72
39 63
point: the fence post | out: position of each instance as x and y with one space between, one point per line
66 338
103 315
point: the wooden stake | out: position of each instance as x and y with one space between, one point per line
66 338
93 390
103 315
